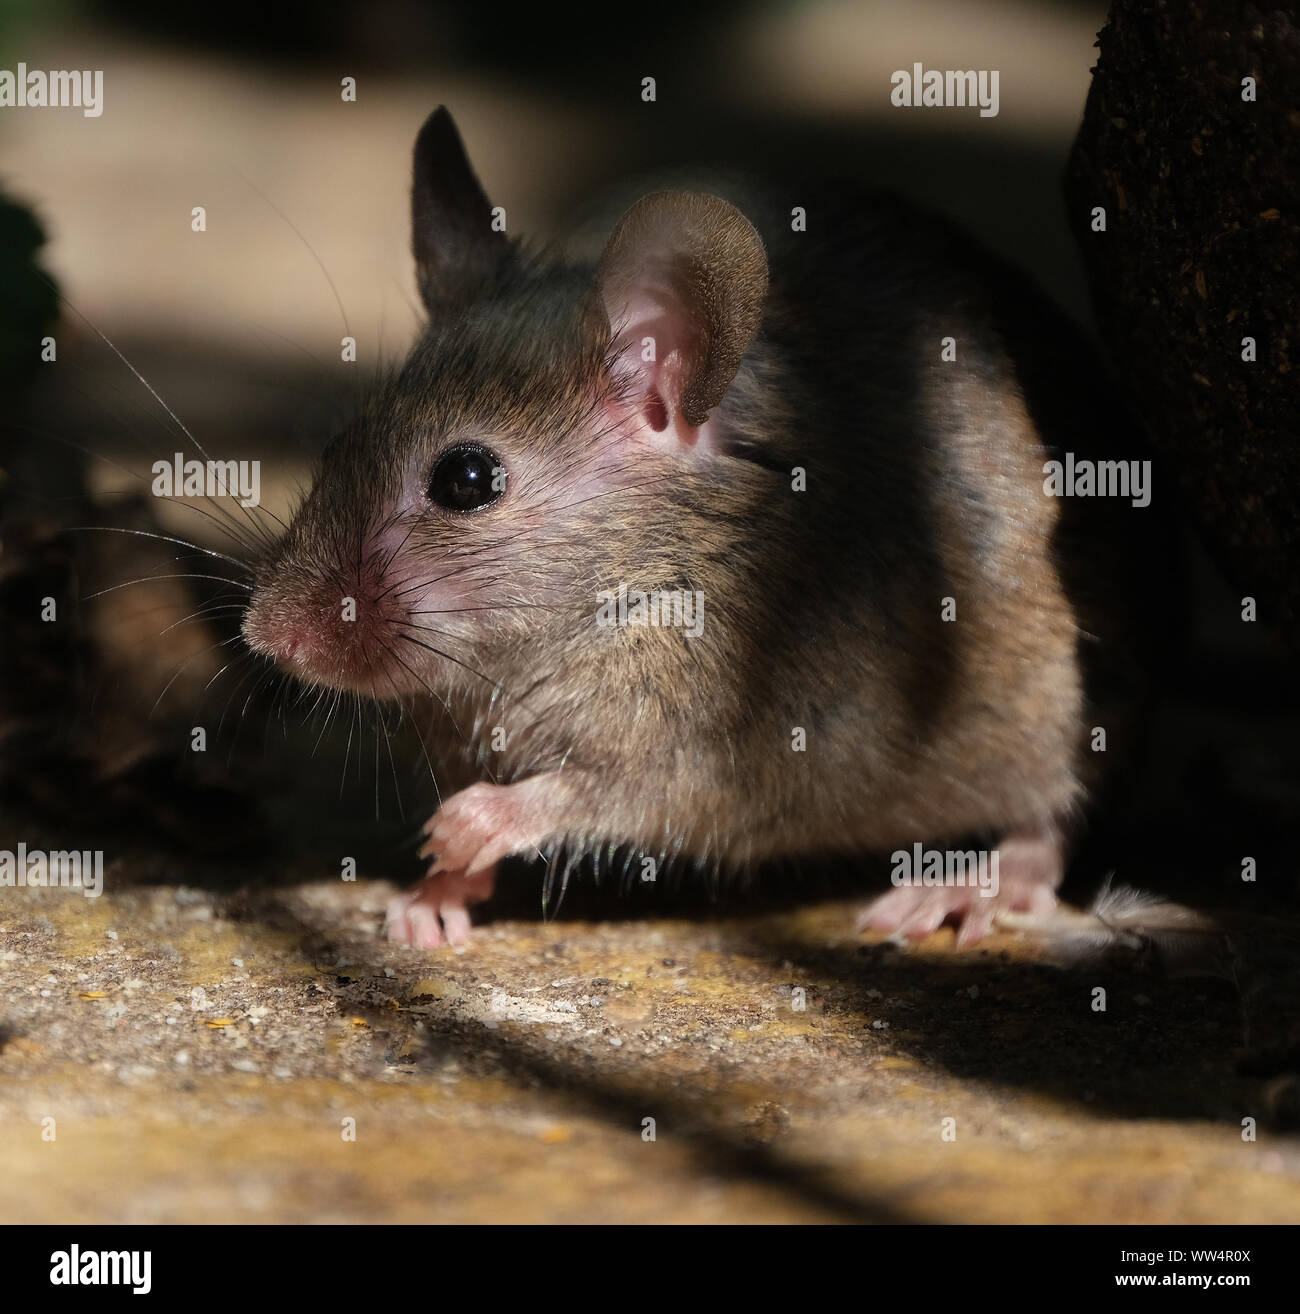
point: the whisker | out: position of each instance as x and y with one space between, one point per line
338 300
222 525
193 656
164 538
145 579
445 703
153 392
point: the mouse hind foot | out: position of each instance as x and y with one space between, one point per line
1029 866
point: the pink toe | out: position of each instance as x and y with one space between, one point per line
396 924
455 924
425 931
883 914
926 919
976 924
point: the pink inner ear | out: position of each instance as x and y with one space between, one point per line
649 309
655 412
650 390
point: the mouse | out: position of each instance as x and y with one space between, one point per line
726 544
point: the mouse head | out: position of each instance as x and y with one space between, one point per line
553 434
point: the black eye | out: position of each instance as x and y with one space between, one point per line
466 478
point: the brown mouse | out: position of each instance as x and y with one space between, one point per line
734 545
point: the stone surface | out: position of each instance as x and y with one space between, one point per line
199 1054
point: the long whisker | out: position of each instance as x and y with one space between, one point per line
205 613
397 788
164 538
446 655
338 300
222 525
424 748
153 392
202 652
146 579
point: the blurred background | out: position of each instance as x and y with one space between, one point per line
213 109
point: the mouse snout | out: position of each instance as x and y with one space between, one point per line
270 628
263 634
316 631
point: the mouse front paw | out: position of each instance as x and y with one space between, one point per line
478 827
466 838
436 911
1029 868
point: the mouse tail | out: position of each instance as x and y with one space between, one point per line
1122 921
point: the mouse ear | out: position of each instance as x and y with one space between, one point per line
688 273
455 246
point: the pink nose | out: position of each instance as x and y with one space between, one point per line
308 639
286 642
271 636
